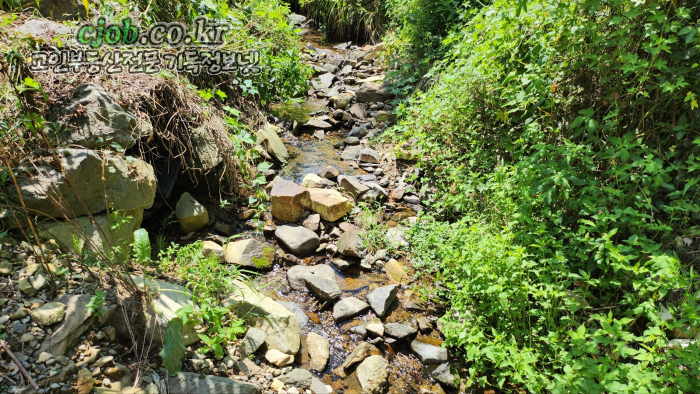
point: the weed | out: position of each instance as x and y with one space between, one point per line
374 231
562 139
94 306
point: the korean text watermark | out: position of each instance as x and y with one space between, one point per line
113 48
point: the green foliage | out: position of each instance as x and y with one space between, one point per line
373 230
173 347
94 306
205 275
141 246
257 25
417 37
348 19
223 326
562 141
266 261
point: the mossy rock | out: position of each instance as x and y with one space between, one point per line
267 259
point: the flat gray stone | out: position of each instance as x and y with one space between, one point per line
327 79
351 152
428 353
399 331
296 274
191 383
380 299
325 289
351 243
348 307
318 124
444 375
297 239
298 378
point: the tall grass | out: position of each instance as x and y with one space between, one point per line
360 20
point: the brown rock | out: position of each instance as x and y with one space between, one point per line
329 203
288 201
85 381
361 352
396 272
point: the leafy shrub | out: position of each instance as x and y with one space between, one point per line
205 275
417 35
562 140
257 25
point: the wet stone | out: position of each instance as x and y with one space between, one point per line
348 308
380 299
398 330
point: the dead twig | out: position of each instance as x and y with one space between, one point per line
19 364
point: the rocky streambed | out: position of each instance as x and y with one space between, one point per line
364 324
335 308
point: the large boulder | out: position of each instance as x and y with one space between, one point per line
272 143
373 375
194 383
101 236
288 201
329 203
370 92
93 183
351 244
280 325
92 119
249 253
168 299
297 239
190 213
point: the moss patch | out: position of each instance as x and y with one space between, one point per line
265 262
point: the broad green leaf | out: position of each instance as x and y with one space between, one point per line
173 347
